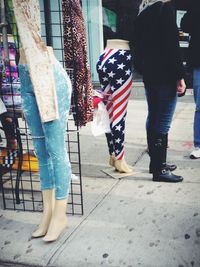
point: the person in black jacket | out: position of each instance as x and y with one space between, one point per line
190 23
157 58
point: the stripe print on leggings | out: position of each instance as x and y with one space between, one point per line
115 76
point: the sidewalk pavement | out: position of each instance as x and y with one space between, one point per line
127 222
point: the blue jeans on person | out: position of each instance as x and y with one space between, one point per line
49 137
196 89
161 101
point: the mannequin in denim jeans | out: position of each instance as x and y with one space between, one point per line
46 95
49 144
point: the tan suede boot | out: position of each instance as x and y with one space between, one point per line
122 166
48 206
58 221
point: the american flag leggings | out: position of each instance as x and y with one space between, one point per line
115 76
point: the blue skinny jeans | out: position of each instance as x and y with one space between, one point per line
196 88
49 137
161 101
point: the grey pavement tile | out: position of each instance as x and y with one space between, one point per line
140 223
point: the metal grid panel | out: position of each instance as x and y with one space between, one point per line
19 183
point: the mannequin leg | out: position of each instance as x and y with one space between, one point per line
122 166
45 172
112 158
50 148
114 69
48 197
55 172
58 221
106 89
33 119
110 139
120 97
55 142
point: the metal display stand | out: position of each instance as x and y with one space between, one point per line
19 182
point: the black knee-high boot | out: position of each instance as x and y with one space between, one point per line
150 137
171 167
158 153
150 140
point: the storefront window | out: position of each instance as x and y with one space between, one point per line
109 24
109 19
92 10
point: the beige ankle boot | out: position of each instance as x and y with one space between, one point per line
112 160
122 166
48 197
58 221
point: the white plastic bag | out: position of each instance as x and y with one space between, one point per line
101 123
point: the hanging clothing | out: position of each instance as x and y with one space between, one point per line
75 54
27 14
115 76
49 137
10 86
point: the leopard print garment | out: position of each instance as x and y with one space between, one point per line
75 54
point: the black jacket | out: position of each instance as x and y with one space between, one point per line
190 23
156 45
126 12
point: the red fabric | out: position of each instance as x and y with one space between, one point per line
96 101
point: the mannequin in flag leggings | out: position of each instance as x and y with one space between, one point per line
115 76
